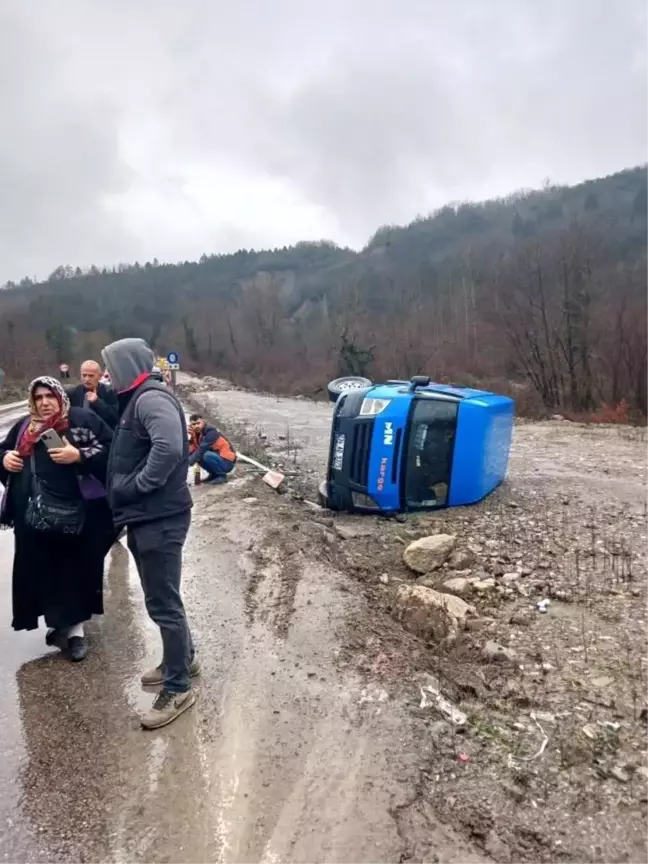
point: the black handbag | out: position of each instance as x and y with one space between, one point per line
48 513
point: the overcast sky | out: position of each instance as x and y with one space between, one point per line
159 128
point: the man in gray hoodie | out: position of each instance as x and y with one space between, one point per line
148 493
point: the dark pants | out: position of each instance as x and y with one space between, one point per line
157 550
215 464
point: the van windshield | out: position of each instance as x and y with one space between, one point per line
429 452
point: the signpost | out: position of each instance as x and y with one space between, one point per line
173 365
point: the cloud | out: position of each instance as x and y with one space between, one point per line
59 157
160 129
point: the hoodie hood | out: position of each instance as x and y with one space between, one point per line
129 362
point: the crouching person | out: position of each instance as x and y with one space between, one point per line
210 449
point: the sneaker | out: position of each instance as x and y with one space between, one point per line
167 707
77 648
155 677
216 479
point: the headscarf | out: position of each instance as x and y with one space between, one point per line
37 425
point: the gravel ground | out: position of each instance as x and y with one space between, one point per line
551 764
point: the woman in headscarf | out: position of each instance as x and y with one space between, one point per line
57 574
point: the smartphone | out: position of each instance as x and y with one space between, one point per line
51 439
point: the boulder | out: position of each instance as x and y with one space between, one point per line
429 613
429 553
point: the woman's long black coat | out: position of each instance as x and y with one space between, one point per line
59 576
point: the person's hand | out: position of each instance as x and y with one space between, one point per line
91 396
66 455
12 462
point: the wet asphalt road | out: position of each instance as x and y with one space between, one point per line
282 759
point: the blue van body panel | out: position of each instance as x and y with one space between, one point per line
481 445
387 447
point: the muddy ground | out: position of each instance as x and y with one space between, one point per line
551 764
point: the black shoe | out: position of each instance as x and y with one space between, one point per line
55 639
77 648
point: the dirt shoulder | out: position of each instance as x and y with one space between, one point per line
551 764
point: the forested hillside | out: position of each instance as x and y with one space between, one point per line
542 294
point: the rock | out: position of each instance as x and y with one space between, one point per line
521 617
511 689
558 417
250 500
384 578
429 553
461 559
431 696
496 653
559 594
509 578
497 848
458 586
474 624
620 774
429 613
496 569
514 790
602 681
353 532
482 586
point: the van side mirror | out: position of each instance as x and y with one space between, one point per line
419 381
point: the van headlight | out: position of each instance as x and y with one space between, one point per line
371 407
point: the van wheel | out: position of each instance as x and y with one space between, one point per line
347 384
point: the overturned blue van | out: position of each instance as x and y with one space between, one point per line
414 445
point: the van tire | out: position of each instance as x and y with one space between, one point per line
345 384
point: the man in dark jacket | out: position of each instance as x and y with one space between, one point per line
148 492
91 393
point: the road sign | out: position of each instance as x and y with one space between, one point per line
173 361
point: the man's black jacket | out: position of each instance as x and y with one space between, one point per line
105 405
